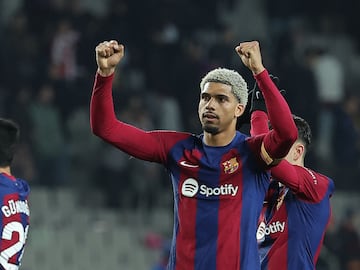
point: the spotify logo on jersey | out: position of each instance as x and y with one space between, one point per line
190 187
268 229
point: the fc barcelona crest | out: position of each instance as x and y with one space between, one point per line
230 165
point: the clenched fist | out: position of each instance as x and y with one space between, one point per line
108 55
250 55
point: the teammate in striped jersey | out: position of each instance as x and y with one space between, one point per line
14 218
220 176
296 209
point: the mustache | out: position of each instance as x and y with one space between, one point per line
210 114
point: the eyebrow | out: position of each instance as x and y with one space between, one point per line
216 95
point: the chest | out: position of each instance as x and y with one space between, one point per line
217 174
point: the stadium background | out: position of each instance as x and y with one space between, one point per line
94 207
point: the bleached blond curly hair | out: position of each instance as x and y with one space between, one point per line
230 77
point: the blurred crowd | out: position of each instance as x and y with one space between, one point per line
49 66
48 70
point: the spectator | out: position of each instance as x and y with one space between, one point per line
348 242
329 78
48 138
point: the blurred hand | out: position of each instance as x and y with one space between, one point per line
108 55
250 55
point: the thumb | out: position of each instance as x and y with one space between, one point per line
117 56
119 48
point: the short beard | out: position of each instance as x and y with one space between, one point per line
211 130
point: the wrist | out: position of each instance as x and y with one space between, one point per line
105 72
258 70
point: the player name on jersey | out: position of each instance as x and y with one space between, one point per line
14 207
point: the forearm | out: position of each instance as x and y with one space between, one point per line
102 114
305 183
105 125
286 173
284 132
259 123
146 145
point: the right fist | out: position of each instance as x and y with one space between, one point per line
250 55
108 55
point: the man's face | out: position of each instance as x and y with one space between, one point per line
218 108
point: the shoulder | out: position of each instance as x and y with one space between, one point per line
169 135
172 133
247 142
23 185
316 179
316 176
255 139
175 139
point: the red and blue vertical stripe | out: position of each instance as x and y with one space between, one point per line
215 226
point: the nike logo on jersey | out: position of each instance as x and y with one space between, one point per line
189 165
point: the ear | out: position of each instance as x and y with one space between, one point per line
239 110
298 152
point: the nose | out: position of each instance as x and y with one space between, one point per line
210 103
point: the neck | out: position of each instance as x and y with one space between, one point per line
5 170
220 139
299 162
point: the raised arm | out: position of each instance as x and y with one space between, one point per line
277 142
305 183
149 146
102 115
259 121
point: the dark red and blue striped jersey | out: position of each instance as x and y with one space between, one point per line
14 223
293 222
218 191
295 215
